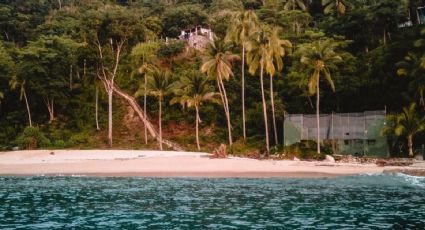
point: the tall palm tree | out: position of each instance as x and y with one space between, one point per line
159 84
340 6
217 64
408 123
194 90
144 69
277 48
317 56
239 32
144 58
259 57
14 83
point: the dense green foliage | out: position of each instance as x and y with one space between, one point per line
50 64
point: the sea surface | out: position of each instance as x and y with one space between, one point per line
360 202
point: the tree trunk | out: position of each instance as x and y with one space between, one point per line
410 145
50 108
385 37
52 111
264 107
28 107
223 96
152 131
243 93
160 122
229 125
273 110
318 114
96 108
197 128
110 93
144 109
70 78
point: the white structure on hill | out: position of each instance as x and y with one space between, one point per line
197 37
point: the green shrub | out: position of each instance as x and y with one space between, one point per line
246 148
59 144
32 138
305 150
79 138
171 49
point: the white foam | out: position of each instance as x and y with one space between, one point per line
413 180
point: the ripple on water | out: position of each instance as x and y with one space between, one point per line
363 202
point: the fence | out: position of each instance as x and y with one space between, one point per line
349 133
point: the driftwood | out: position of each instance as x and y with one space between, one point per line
220 152
152 131
383 163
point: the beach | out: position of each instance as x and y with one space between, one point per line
118 163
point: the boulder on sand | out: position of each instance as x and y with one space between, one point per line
329 158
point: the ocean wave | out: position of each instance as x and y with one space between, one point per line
413 180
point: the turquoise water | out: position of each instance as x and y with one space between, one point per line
362 202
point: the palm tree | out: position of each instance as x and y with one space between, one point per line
239 32
144 58
413 67
159 84
277 48
316 56
218 64
259 56
340 6
194 90
296 4
145 69
408 123
14 83
295 9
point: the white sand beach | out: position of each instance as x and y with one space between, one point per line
166 164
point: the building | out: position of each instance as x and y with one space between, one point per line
348 133
197 37
420 17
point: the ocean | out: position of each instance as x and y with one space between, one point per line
361 202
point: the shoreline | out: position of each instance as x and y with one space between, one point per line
167 164
195 175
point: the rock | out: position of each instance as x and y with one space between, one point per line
419 157
329 158
296 159
16 148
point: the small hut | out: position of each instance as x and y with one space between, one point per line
197 37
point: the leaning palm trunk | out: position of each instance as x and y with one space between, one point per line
197 127
264 107
273 110
160 122
224 100
318 114
139 111
144 109
28 107
410 145
243 93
